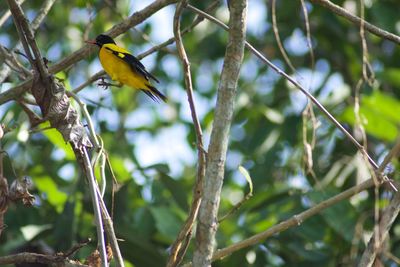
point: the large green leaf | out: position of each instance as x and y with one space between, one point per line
50 192
176 189
167 223
380 115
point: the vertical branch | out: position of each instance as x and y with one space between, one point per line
181 243
3 191
308 113
56 108
278 38
96 206
207 227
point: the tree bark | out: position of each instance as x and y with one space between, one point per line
207 223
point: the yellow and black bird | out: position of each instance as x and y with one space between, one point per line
125 68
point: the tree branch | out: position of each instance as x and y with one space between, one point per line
153 49
303 90
294 221
388 216
182 241
357 21
56 108
376 242
26 257
207 226
78 55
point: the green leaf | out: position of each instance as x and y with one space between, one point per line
166 222
391 75
380 115
383 104
341 217
248 178
119 169
56 138
176 189
54 196
31 230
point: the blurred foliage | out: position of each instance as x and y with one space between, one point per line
151 146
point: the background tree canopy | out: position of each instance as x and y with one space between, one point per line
295 156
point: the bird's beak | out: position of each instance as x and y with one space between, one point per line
92 42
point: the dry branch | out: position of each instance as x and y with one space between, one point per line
26 257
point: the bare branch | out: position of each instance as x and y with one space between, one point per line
26 257
96 206
278 38
182 241
294 221
207 226
7 14
357 21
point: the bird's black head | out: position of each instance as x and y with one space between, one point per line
103 39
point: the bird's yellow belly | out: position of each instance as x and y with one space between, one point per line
120 71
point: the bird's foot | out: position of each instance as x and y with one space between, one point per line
104 84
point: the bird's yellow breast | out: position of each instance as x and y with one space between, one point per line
119 70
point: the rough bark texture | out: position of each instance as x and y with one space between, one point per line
207 223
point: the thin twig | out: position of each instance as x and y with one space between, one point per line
96 207
278 38
98 144
5 72
108 225
7 14
308 33
393 153
76 247
181 243
12 63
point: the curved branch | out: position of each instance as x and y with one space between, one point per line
182 241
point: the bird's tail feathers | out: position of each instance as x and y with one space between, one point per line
154 94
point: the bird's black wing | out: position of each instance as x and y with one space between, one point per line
135 64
